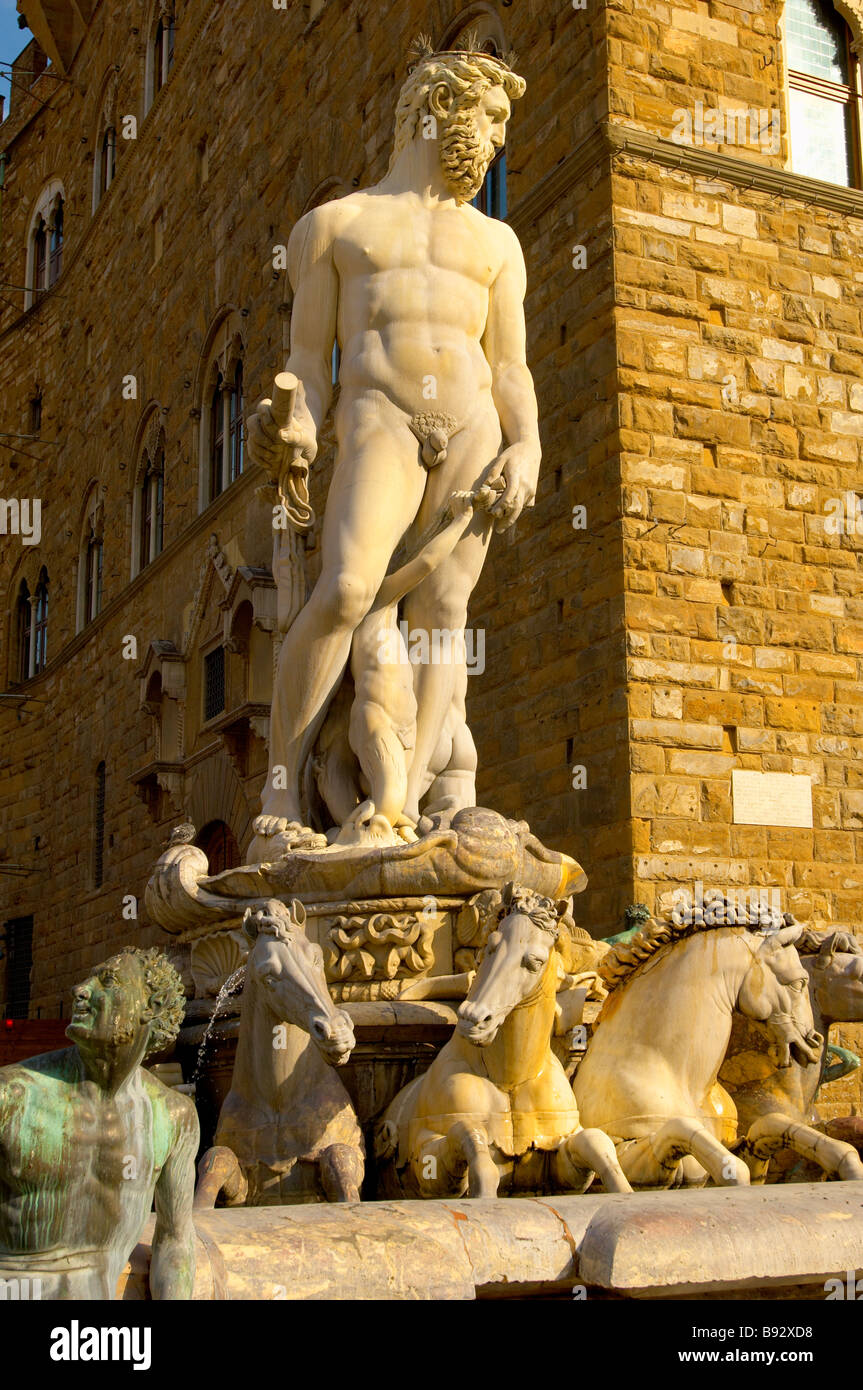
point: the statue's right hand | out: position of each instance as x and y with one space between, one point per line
274 448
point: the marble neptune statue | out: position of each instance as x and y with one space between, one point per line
424 295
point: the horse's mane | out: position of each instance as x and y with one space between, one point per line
479 918
626 957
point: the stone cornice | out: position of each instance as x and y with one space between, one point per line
611 140
743 173
553 185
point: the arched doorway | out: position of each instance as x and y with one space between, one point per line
218 843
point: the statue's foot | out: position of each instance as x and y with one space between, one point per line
275 836
365 826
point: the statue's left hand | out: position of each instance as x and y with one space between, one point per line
518 466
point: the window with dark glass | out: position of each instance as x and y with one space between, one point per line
214 683
235 425
40 258
93 586
40 624
55 257
163 53
144 539
152 509
107 160
217 438
822 93
25 630
491 198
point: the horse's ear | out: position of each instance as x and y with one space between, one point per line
788 936
251 925
298 912
506 900
563 907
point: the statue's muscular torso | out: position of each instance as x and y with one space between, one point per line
78 1169
413 296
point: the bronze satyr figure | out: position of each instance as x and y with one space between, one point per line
88 1137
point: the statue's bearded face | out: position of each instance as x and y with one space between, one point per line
470 140
108 1007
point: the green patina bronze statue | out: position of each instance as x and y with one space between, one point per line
88 1138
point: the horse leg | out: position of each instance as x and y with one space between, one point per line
219 1171
341 1168
682 1135
582 1154
467 1146
771 1133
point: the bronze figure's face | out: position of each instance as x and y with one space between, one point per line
110 1006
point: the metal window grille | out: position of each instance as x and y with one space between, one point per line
19 963
214 683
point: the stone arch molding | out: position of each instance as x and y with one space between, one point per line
852 12
483 19
43 206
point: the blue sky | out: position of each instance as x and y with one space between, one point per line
12 40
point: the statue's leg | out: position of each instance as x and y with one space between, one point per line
440 602
374 496
342 1169
771 1133
584 1153
381 752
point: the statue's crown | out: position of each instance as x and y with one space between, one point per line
422 49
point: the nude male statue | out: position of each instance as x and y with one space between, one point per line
425 296
87 1137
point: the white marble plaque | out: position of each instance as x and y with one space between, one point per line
771 798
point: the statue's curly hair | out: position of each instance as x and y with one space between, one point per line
166 997
466 75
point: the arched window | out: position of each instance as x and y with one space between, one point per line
99 827
222 435
161 55
25 631
40 624
90 561
151 507
44 243
822 93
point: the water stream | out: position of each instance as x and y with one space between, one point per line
224 993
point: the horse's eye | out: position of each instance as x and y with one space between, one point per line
270 979
798 984
534 962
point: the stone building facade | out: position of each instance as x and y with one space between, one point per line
680 606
